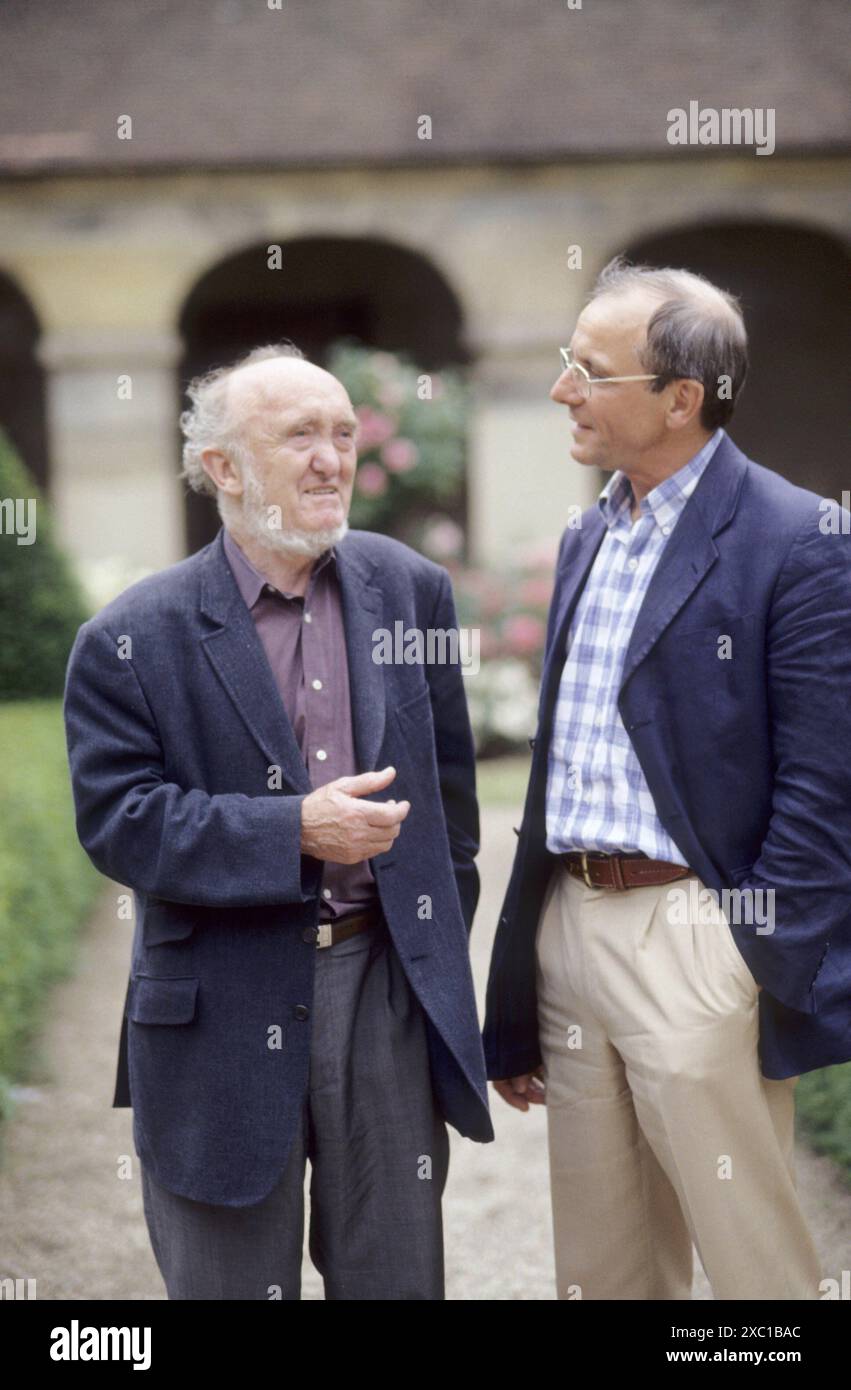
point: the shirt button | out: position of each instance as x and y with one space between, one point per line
666 530
307 618
317 684
321 754
326 892
600 720
633 564
301 1012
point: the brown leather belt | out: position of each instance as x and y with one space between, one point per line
329 933
621 871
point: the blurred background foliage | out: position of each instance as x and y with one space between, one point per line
41 602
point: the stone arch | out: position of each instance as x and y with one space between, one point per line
382 293
792 282
22 385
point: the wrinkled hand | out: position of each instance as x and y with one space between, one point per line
337 826
522 1091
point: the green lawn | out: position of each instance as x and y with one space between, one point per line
47 884
502 781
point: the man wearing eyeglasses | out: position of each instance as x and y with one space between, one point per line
674 948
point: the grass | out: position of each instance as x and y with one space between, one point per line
47 884
502 781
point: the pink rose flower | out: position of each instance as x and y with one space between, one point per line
371 480
398 455
524 634
444 539
374 428
536 591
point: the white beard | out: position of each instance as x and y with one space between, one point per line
254 521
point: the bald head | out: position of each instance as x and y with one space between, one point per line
272 384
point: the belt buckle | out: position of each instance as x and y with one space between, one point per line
589 882
326 934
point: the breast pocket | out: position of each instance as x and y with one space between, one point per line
415 710
723 658
416 725
162 999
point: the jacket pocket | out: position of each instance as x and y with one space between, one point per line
416 709
164 999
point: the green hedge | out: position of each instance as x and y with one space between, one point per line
823 1100
47 884
41 602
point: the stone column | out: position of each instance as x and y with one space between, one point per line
112 407
522 479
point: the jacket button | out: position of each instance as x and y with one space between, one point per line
310 934
301 1012
532 742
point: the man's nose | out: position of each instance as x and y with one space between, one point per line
565 390
325 456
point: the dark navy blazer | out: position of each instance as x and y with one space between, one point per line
748 760
171 750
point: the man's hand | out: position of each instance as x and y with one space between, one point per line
335 825
523 1091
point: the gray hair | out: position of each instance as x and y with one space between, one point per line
698 332
208 424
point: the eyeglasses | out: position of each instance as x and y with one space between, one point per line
583 380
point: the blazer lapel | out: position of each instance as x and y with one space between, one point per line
240 662
363 613
690 553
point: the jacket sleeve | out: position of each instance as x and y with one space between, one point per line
148 833
456 759
805 858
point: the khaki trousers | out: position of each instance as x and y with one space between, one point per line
662 1130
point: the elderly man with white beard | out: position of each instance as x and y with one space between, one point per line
299 827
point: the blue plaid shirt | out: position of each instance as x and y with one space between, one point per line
597 795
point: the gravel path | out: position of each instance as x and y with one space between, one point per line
70 1197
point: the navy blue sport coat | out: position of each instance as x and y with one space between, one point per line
748 759
173 741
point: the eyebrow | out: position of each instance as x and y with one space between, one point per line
587 361
350 421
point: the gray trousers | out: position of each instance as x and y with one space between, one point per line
378 1150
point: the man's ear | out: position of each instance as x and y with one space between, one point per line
685 404
221 469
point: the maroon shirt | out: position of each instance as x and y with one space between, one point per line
305 642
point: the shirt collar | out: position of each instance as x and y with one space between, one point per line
665 502
250 581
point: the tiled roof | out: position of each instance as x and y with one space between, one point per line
234 83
